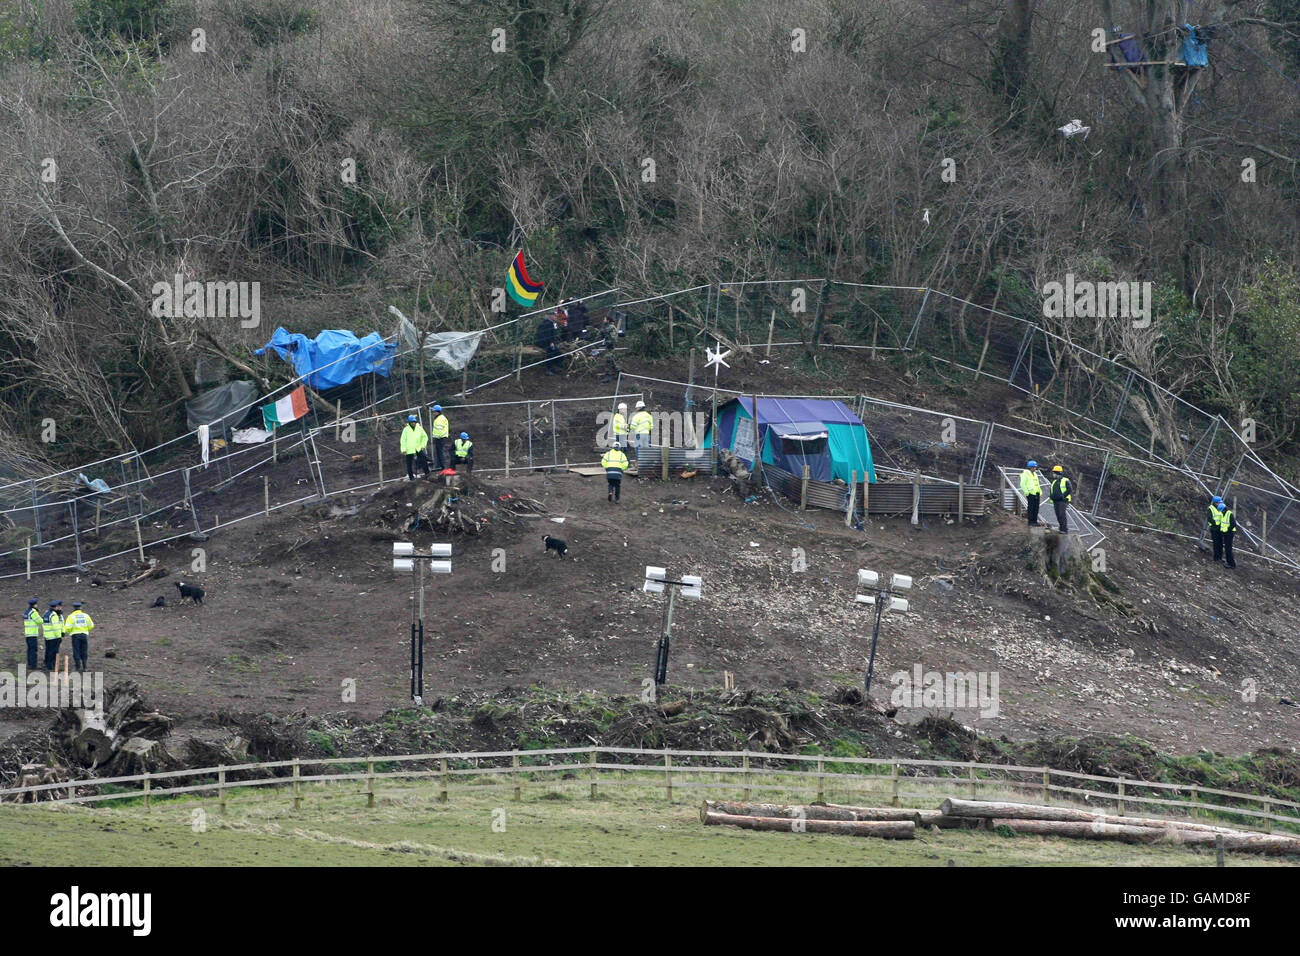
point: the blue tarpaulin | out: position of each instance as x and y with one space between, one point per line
1194 50
823 434
335 357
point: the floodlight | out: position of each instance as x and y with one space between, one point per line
865 599
440 550
898 604
692 586
901 582
403 564
654 587
440 567
868 579
655 574
403 548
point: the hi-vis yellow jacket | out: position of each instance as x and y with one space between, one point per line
78 622
441 427
642 423
614 460
414 439
53 626
1029 483
32 623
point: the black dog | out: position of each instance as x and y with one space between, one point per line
190 591
161 602
555 544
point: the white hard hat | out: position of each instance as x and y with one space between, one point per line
640 404
622 406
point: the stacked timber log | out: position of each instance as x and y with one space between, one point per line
901 823
1082 824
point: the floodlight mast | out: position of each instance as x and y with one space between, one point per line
870 579
656 579
406 558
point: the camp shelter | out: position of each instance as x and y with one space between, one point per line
334 357
823 434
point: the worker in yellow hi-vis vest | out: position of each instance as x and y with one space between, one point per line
642 424
78 627
32 631
464 451
414 441
1062 494
52 631
440 431
615 463
1032 489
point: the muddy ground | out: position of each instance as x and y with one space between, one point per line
304 605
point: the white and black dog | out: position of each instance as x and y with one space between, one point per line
555 544
193 592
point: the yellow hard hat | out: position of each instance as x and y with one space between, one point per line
1057 468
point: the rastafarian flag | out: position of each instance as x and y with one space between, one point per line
522 288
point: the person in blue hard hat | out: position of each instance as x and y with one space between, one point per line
463 451
1216 534
1227 522
440 431
414 442
1032 489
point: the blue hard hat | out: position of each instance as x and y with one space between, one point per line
1033 464
410 418
437 408
1222 506
464 436
1216 499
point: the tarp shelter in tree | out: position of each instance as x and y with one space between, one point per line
820 433
333 358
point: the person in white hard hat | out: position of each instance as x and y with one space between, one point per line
620 424
641 425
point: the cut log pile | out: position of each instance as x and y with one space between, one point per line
901 823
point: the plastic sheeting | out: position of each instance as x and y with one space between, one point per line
846 450
453 348
222 408
333 358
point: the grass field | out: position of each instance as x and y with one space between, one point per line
409 827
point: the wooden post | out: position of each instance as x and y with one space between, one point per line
853 490
98 506
297 792
148 782
668 776
221 790
1268 823
821 780
29 559
1047 787
507 455
771 326
664 462
514 763
894 777
591 760
275 445
866 497
370 785
266 495
745 764
970 773
961 499
875 331
380 450
1121 796
442 780
139 539
916 498
1194 812
338 417
803 490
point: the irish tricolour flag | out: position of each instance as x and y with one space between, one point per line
290 408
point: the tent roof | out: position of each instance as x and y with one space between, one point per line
799 411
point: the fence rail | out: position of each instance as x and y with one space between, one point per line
889 780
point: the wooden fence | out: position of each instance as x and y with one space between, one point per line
883 781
